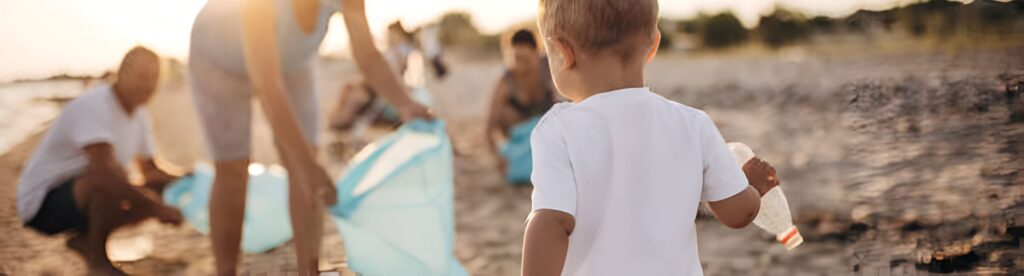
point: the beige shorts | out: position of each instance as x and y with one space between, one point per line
224 101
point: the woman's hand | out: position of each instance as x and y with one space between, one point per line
414 110
321 183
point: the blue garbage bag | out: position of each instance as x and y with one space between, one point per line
266 224
395 210
517 152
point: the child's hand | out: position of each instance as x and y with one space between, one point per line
761 175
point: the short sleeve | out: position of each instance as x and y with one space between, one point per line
87 128
722 177
146 143
554 186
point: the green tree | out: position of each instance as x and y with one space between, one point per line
783 27
722 30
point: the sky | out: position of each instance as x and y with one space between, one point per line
43 38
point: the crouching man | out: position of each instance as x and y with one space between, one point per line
76 180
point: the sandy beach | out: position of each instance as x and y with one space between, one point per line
894 163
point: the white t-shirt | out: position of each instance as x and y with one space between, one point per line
631 167
94 117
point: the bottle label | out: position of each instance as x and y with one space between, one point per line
788 235
791 238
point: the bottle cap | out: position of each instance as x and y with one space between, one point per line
790 238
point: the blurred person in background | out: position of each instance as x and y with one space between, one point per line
268 49
357 98
523 93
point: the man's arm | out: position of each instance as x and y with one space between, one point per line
376 71
159 171
102 163
547 242
104 169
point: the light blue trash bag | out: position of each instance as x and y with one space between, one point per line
395 210
266 224
517 152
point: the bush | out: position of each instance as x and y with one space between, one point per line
783 27
722 30
457 29
822 24
934 16
667 34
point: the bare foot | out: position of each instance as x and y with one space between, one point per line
80 246
106 270
98 265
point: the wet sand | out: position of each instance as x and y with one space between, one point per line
893 163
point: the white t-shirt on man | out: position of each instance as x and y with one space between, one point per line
632 168
94 117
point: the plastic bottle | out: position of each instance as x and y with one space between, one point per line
774 216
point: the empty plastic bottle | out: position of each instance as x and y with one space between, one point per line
774 216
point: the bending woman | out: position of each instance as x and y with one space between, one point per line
267 49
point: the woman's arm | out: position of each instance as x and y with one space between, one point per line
263 64
376 71
494 120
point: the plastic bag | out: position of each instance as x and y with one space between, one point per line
266 224
395 210
518 153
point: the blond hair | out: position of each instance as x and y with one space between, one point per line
596 25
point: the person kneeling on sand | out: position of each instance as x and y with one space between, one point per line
76 180
524 92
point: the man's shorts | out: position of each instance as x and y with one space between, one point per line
59 212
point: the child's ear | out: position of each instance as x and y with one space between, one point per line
564 48
655 44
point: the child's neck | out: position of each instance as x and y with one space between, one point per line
605 75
